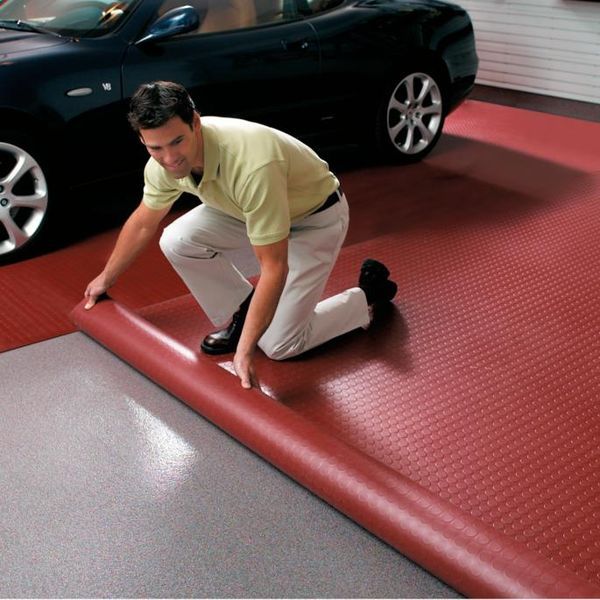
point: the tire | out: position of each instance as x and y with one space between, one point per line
24 196
411 116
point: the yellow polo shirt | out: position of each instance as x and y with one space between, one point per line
257 174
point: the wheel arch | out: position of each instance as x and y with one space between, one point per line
36 131
421 59
12 119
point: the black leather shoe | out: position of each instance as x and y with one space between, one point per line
373 281
225 340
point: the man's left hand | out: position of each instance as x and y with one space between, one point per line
244 368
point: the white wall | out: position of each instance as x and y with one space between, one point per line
547 47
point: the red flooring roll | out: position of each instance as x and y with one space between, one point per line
462 550
464 428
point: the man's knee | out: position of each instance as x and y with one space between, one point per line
281 349
167 242
174 245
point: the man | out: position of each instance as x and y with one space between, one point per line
258 186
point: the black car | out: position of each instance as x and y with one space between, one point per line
385 72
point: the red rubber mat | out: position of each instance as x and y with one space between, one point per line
464 428
37 295
486 150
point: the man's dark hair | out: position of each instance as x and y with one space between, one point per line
153 104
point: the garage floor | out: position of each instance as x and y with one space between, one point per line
113 488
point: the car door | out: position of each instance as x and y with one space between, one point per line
262 67
354 57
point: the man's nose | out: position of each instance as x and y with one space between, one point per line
171 155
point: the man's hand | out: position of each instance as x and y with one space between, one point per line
272 259
95 289
244 368
133 238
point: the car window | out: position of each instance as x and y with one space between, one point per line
228 15
312 7
73 18
269 11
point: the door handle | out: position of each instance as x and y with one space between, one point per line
296 45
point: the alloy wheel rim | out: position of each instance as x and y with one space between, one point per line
414 113
23 197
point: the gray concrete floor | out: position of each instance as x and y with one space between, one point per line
113 488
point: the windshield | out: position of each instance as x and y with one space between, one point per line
73 18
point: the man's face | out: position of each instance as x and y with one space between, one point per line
175 145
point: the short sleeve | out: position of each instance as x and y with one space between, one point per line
264 202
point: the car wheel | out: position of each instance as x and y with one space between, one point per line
411 116
23 196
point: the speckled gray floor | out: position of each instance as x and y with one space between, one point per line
113 488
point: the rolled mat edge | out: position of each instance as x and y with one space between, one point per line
469 555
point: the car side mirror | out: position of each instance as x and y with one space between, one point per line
176 21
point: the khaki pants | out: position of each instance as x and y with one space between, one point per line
194 244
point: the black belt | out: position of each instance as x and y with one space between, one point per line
331 200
